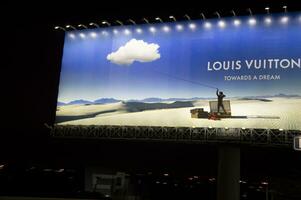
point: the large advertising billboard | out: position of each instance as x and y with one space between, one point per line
233 72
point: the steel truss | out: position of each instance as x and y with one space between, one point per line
180 134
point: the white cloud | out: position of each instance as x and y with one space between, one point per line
135 50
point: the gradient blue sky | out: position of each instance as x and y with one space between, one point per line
87 74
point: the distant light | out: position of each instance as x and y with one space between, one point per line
115 31
193 126
71 35
127 32
166 29
1 166
57 27
47 170
280 129
93 35
152 29
173 18
268 20
236 22
243 128
157 182
159 19
82 35
68 26
139 30
107 195
210 127
226 128
195 177
264 183
284 19
164 183
166 174
179 27
221 24
252 21
192 26
207 25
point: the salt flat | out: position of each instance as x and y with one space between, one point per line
287 109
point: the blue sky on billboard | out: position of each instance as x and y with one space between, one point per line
131 62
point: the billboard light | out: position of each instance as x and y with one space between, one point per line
119 22
82 35
94 24
192 26
284 19
70 26
267 9
71 35
207 25
236 22
132 21
139 30
127 32
166 29
115 31
82 26
297 143
152 29
252 21
221 24
173 18
179 27
268 20
93 35
159 19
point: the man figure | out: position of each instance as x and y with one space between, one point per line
220 96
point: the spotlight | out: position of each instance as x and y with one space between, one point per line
71 35
146 20
82 35
192 26
72 27
139 30
285 8
267 9
94 24
119 22
127 32
115 31
222 24
268 20
93 35
173 18
207 25
284 19
58 27
152 29
106 22
105 33
250 11
203 16
132 21
236 22
234 14
159 19
187 17
81 25
252 21
166 29
218 15
179 27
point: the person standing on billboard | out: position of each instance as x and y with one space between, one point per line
220 96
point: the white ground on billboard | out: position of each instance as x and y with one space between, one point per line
287 109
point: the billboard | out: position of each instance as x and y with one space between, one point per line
233 72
